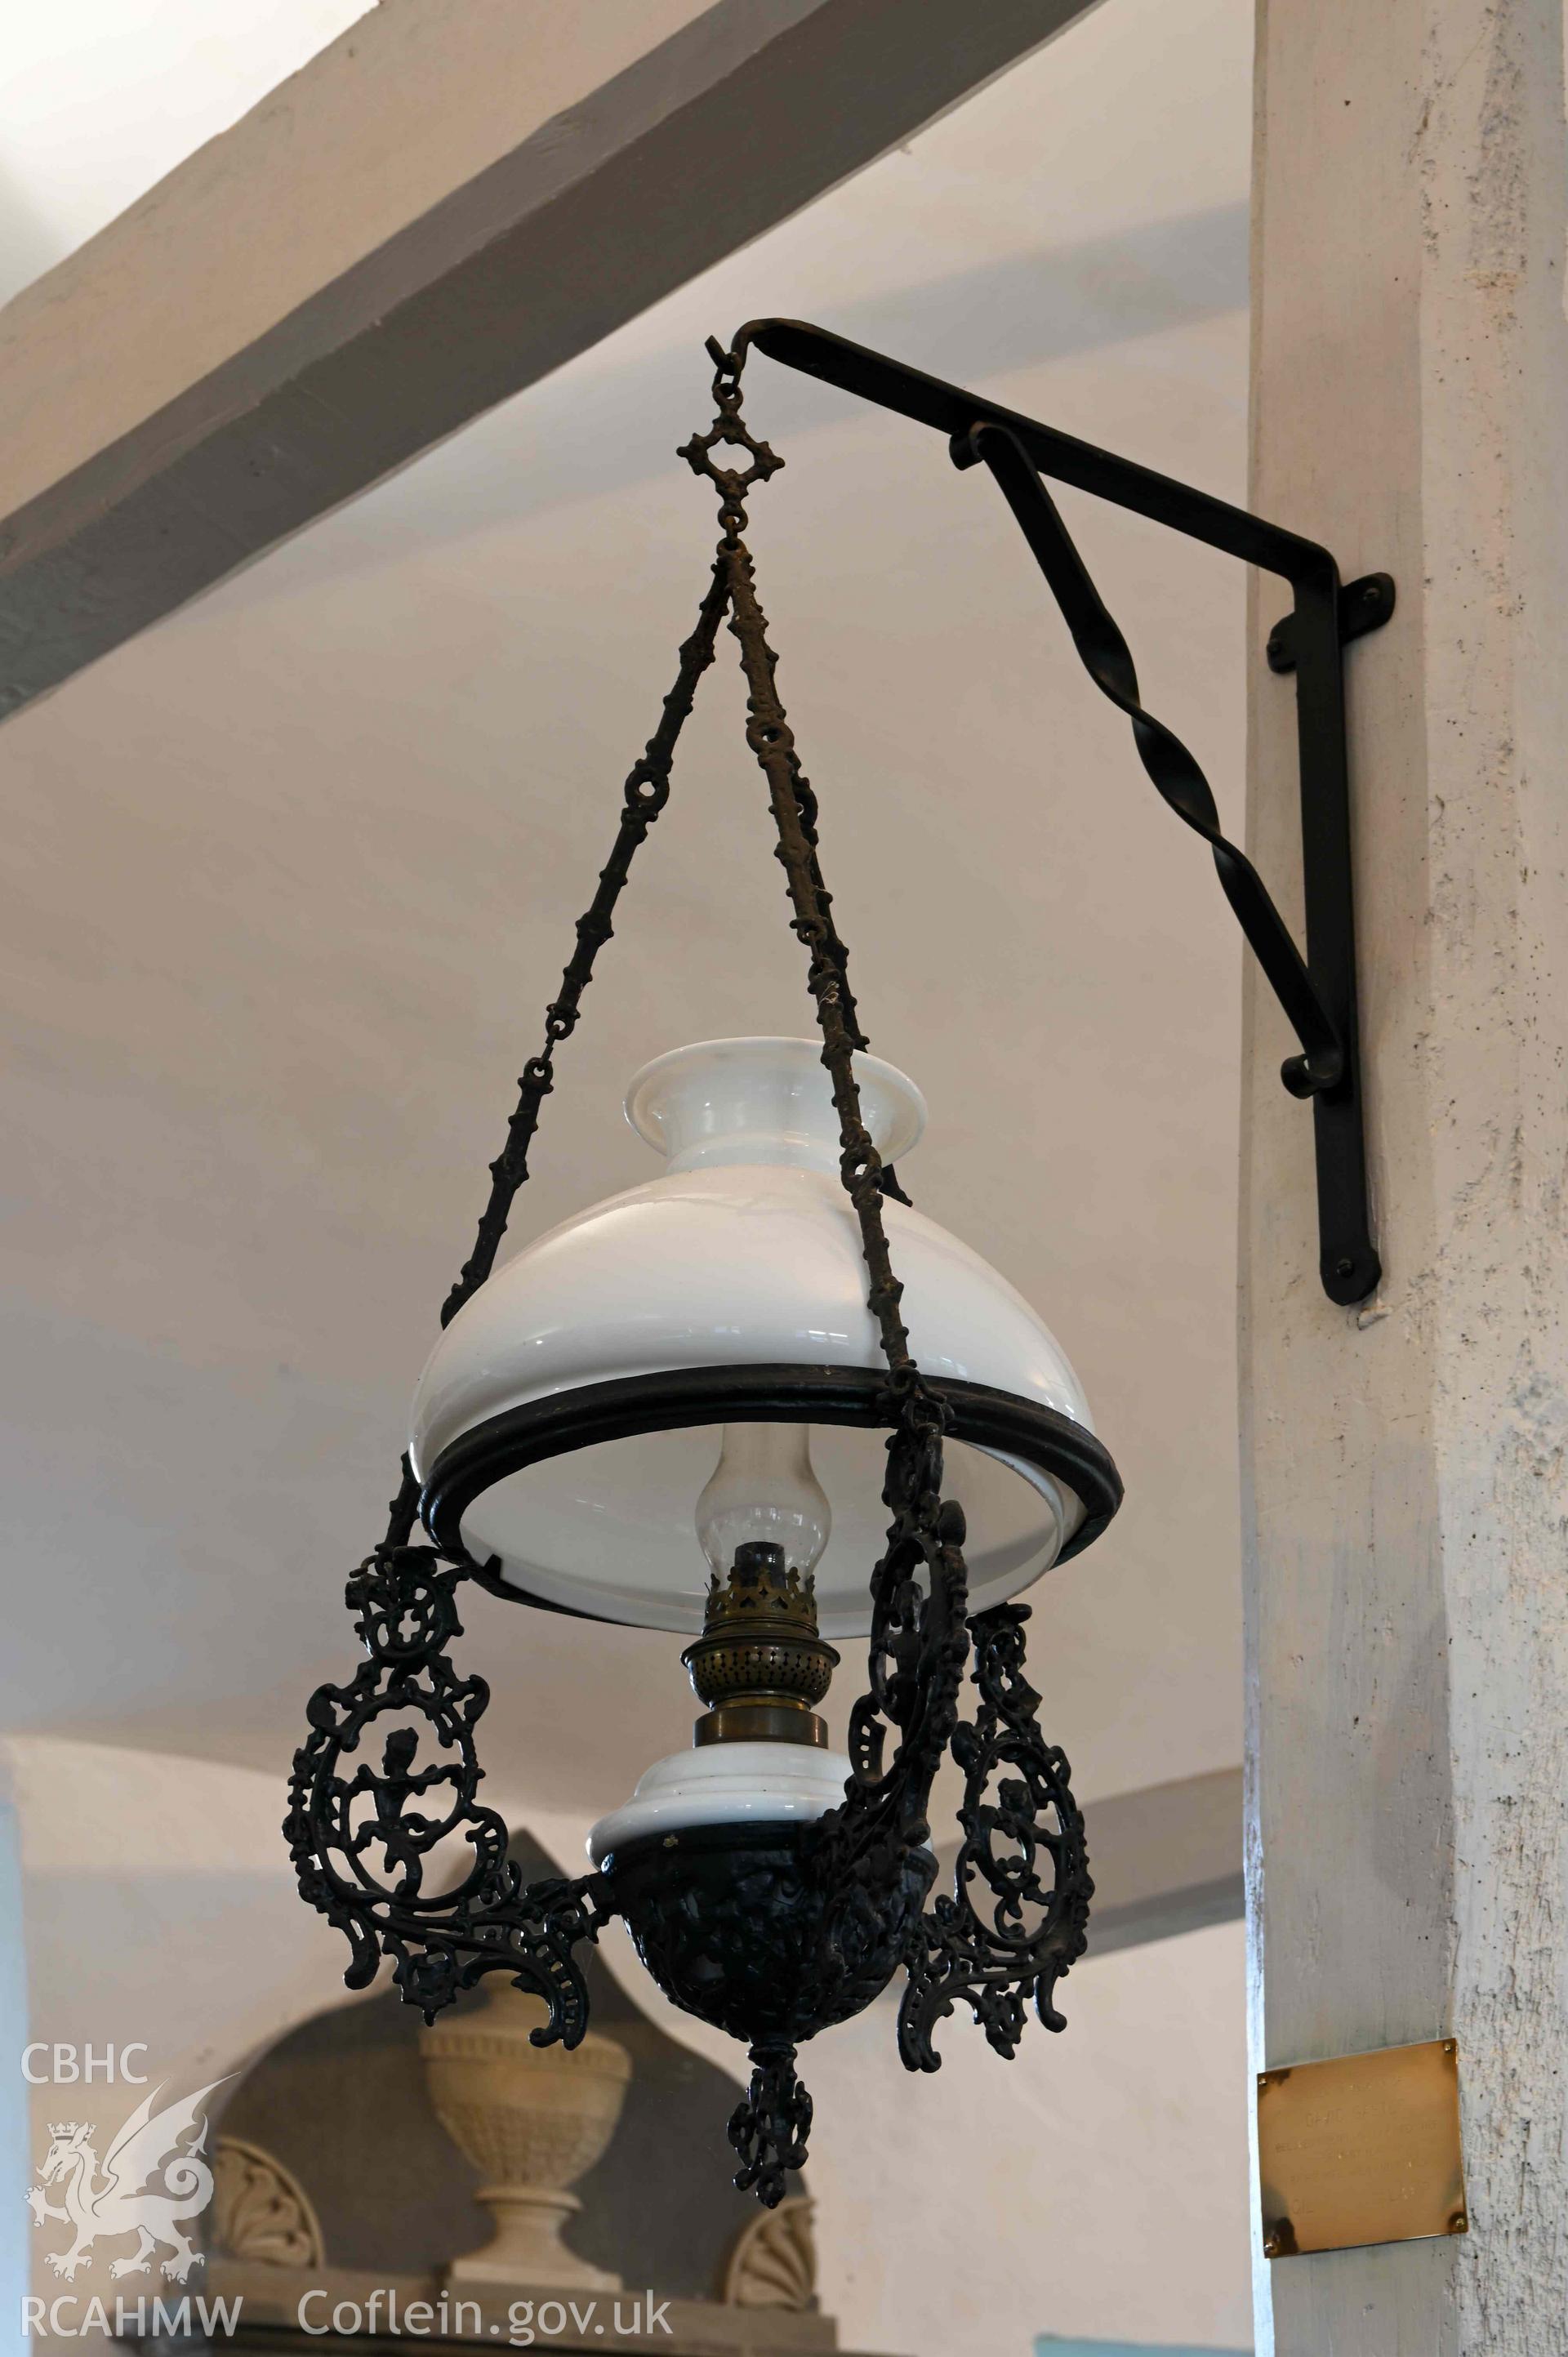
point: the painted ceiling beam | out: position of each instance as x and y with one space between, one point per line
1165 1859
453 199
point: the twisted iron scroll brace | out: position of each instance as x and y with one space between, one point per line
1317 993
1171 768
363 1839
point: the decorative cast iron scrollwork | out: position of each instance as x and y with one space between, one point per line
769 2128
363 1841
1018 1819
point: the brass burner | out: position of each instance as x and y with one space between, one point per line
760 1664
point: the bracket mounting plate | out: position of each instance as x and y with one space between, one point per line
1364 605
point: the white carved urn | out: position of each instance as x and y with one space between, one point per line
532 2119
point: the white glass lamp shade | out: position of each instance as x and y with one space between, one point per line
570 1417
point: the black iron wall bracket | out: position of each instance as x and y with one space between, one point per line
1317 992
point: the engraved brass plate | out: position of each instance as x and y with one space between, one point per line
1361 2149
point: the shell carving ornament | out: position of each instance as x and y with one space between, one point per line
774 2261
261 2210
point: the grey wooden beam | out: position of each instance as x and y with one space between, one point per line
454 199
1164 1860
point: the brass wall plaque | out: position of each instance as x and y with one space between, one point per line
1361 2149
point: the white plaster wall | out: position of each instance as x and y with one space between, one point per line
157 1906
1095 2186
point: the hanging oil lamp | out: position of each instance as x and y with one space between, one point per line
763 1404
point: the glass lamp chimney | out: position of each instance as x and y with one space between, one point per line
763 1489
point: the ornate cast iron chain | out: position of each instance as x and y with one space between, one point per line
363 1839
646 791
729 430
918 1642
644 795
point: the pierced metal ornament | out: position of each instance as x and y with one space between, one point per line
769 2128
999 1947
362 1840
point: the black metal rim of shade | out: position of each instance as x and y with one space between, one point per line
1002 1423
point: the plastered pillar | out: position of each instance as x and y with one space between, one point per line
1407 1495
16 2162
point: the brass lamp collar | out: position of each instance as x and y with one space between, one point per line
760 1664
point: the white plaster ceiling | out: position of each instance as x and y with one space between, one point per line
100 98
291 877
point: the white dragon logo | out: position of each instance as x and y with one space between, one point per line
126 2203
